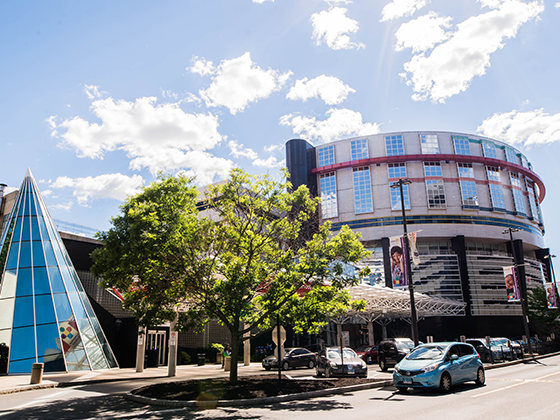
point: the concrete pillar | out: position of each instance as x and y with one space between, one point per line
371 338
140 350
247 349
172 355
36 373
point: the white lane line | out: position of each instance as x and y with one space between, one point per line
522 382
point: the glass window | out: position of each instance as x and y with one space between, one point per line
436 194
25 254
23 312
511 156
489 150
396 198
77 305
44 309
17 230
468 193
515 181
519 201
6 314
462 146
13 256
56 280
497 196
359 149
23 345
429 144
24 282
41 281
9 284
362 190
34 228
396 170
329 205
493 173
532 203
394 145
326 156
63 309
47 336
432 169
38 257
465 170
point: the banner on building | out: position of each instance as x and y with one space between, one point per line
413 249
397 251
550 295
512 288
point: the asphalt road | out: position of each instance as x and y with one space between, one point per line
524 391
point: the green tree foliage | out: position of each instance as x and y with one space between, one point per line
246 258
538 310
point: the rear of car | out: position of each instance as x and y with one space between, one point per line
329 363
439 365
392 351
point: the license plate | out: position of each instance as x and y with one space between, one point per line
407 381
350 369
266 363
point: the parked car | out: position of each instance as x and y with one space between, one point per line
439 365
392 351
367 353
293 358
329 363
502 349
481 348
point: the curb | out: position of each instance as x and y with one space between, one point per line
208 404
519 361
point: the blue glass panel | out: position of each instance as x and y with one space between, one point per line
70 286
21 205
17 231
26 211
54 362
23 312
43 229
62 304
76 279
109 355
13 256
23 343
32 202
22 366
38 257
47 336
24 282
44 309
56 280
38 205
77 305
57 252
51 260
25 232
41 281
25 254
35 228
87 305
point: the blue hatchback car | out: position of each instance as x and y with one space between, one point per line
439 365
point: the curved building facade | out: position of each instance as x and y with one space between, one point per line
465 191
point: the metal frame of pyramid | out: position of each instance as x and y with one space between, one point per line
45 315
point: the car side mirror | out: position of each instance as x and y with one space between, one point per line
454 357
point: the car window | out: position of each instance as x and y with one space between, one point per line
426 353
465 349
405 345
363 348
453 350
333 354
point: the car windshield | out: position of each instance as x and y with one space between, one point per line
335 354
426 353
405 345
499 342
363 348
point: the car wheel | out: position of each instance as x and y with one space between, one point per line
487 358
480 377
327 372
285 366
383 365
445 383
311 364
402 389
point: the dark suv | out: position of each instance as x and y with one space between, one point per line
392 351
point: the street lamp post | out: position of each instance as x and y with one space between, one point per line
550 257
399 184
523 289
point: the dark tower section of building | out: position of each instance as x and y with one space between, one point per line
300 160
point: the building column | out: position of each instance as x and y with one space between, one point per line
172 350
371 340
140 349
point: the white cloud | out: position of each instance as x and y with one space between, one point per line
238 82
330 89
557 5
271 162
332 26
169 94
339 123
113 186
62 206
157 137
238 150
522 128
92 92
453 64
273 148
202 67
261 1
422 33
399 8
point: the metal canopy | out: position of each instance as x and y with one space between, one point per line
387 303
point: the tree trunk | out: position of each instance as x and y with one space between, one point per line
234 355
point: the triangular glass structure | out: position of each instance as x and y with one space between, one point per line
45 315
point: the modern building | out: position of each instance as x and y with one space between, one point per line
466 194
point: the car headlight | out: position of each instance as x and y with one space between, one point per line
333 365
398 369
363 364
431 368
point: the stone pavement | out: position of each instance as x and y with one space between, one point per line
18 383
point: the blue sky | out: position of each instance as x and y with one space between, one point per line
97 97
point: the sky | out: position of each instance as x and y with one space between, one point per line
97 97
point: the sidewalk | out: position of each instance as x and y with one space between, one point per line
18 383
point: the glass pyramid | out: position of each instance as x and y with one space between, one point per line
45 315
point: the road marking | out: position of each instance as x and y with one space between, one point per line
521 382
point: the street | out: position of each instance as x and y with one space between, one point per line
523 391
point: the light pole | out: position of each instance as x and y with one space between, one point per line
550 257
399 184
523 289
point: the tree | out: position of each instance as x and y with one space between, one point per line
538 310
243 260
